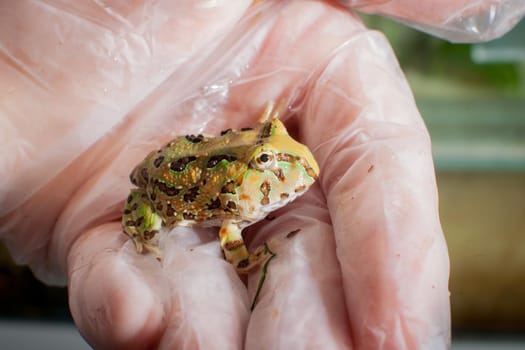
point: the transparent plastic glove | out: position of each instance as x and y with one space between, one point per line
454 20
89 91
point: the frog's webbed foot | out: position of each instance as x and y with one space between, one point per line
141 223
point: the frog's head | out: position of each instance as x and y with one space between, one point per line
280 168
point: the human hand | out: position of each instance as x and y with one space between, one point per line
453 20
369 267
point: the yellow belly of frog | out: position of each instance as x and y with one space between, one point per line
232 181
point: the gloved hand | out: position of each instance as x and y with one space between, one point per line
453 20
90 88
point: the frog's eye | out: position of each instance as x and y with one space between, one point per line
264 160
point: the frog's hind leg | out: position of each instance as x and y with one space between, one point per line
141 223
236 253
235 250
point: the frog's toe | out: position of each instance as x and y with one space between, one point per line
153 249
143 246
139 244
245 266
261 255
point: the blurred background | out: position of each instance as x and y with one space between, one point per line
472 98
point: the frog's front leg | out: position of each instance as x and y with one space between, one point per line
235 250
141 223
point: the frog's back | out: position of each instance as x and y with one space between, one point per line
194 178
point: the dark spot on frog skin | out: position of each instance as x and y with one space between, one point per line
232 245
139 221
153 197
188 216
214 204
191 194
243 263
246 129
229 187
170 211
285 157
307 168
266 131
300 188
134 206
148 235
133 181
180 164
194 138
127 211
214 160
157 162
224 132
144 174
279 174
231 205
265 190
170 191
284 195
129 223
159 207
130 199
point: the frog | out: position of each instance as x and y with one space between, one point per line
230 181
